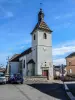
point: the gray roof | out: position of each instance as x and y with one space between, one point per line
71 55
17 56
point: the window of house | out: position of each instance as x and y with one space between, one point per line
45 36
34 36
24 64
70 70
69 63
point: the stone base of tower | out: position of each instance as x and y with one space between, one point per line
51 76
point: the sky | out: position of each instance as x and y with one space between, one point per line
18 18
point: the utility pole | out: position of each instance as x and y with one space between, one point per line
8 65
62 72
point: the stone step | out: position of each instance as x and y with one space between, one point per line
29 80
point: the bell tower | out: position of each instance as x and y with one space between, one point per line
42 47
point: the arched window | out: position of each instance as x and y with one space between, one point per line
24 64
69 63
45 36
34 36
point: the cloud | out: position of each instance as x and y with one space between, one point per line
8 14
5 13
64 48
57 17
59 61
63 25
67 15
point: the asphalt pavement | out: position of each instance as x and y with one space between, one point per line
71 86
55 90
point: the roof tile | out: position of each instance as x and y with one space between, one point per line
42 25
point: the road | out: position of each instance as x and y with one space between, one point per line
71 86
55 90
27 92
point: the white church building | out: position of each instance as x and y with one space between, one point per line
36 60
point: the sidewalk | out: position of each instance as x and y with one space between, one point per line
33 94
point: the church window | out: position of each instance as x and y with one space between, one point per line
45 36
34 36
24 64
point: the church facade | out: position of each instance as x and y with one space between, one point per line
37 60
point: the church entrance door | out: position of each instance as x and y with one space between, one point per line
45 73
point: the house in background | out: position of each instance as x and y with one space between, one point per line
70 64
13 65
59 71
36 60
3 70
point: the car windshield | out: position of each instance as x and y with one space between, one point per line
1 74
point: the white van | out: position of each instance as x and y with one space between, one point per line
2 78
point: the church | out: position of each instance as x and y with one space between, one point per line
36 60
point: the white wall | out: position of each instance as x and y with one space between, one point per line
29 57
23 69
34 57
26 58
14 67
42 41
34 42
29 69
43 50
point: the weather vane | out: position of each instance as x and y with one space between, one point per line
41 5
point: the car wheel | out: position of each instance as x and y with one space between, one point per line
4 82
21 82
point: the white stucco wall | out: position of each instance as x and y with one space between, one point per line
14 67
26 58
23 69
43 56
43 51
29 57
34 57
42 41
34 42
29 69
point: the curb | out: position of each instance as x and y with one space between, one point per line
69 94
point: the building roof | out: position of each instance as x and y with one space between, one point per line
15 57
71 55
41 24
31 61
29 50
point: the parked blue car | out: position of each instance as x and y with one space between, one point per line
16 78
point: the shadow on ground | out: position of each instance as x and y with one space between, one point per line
53 89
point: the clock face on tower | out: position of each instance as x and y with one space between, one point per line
44 48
